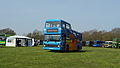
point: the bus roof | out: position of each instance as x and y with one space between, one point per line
51 20
76 32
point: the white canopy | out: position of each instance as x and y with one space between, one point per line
19 41
16 36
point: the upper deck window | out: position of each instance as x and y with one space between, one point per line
63 25
68 26
52 24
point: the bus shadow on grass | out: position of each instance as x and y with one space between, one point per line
82 51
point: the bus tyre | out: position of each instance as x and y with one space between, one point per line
67 48
79 48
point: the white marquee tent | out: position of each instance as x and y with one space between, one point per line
17 41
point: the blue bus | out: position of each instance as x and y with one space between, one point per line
58 35
98 43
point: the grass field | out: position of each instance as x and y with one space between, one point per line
35 57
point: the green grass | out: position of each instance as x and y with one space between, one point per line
35 57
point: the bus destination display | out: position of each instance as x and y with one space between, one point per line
52 30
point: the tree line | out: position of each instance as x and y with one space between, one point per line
101 35
90 35
36 34
7 31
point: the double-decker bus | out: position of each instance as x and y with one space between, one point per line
58 35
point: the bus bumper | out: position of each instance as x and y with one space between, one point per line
51 48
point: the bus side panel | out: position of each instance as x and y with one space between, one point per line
2 42
72 43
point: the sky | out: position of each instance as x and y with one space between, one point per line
24 16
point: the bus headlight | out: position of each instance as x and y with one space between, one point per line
44 29
59 28
44 45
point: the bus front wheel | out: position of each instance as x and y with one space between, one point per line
67 47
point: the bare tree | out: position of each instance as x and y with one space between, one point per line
36 34
7 31
101 35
